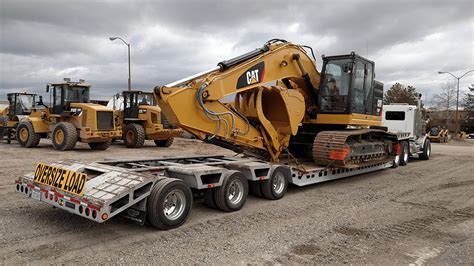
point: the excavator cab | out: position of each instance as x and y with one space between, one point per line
63 94
348 91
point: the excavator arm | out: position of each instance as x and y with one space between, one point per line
274 89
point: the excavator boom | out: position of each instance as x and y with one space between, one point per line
273 89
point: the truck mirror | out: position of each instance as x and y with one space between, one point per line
47 88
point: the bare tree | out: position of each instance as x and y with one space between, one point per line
447 97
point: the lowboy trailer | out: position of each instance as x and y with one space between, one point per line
161 191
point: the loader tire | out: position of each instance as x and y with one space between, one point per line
26 136
231 196
100 146
169 204
425 155
134 136
276 186
64 136
405 153
164 142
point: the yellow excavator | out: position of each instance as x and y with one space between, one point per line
283 106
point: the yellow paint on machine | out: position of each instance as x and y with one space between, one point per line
60 178
349 119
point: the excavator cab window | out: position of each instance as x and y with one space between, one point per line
334 90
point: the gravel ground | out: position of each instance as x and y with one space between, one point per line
419 213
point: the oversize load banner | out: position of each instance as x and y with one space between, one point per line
59 178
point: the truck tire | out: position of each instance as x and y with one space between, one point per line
275 187
405 148
64 136
134 136
231 196
425 155
26 136
169 204
164 142
100 146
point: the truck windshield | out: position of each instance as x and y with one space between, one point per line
335 84
76 94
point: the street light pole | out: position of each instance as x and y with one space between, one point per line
457 95
129 71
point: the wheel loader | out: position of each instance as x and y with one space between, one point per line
438 134
69 118
141 119
283 106
20 104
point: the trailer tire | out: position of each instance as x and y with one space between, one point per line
26 136
425 155
405 148
100 146
169 204
275 187
134 136
209 198
231 196
255 188
164 142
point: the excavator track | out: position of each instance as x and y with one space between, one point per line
351 148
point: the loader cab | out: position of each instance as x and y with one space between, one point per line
20 104
348 88
63 94
135 102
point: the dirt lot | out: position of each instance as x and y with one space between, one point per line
423 212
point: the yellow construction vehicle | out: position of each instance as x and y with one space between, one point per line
69 118
438 134
141 119
20 104
283 105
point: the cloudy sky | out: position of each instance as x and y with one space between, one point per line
44 41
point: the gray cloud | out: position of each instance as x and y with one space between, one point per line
43 41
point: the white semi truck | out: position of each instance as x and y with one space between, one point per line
404 118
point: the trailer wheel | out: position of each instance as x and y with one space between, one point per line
275 187
164 142
405 153
231 196
100 146
169 204
426 150
26 136
134 136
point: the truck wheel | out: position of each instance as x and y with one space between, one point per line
164 142
169 204
275 187
64 136
134 136
100 146
26 136
231 196
425 155
405 153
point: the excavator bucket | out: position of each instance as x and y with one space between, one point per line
277 110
